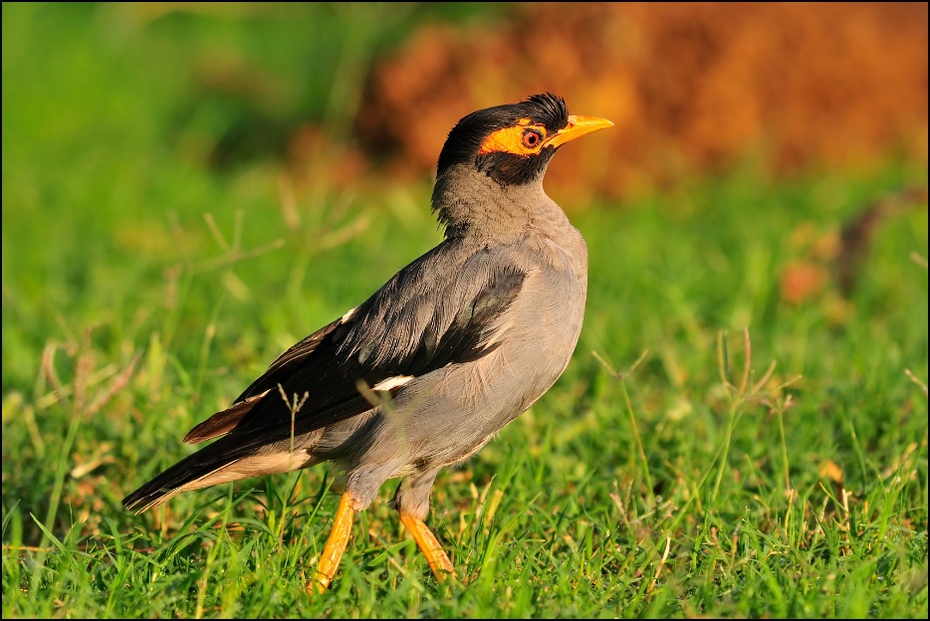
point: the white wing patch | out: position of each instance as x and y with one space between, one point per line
392 382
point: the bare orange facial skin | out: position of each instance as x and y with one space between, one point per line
524 138
527 138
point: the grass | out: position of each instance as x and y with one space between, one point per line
672 471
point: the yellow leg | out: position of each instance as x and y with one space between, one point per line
429 546
335 546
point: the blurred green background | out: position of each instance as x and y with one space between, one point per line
124 124
189 188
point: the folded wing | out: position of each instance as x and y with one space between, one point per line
420 321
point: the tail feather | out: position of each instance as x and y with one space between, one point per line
221 462
182 476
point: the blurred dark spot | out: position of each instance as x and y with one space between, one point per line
857 235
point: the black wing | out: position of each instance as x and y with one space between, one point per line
444 308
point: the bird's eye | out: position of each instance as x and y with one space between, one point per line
532 138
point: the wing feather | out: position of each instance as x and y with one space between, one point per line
435 312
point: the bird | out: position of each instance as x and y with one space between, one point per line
429 369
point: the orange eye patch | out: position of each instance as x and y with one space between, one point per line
525 138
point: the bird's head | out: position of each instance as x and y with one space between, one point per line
513 143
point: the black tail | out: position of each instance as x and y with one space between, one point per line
192 472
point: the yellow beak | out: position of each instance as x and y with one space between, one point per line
577 127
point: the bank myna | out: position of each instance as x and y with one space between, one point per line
426 371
